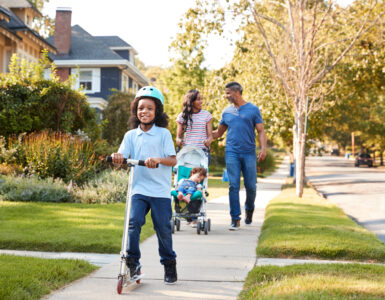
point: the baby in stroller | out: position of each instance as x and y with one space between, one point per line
191 170
187 187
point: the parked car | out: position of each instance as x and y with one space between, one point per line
364 159
335 152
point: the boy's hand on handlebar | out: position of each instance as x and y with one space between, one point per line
152 162
117 158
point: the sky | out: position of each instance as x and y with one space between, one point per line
147 25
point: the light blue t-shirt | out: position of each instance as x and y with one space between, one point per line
140 145
241 127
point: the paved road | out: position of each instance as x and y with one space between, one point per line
360 192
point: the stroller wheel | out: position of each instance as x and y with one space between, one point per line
172 222
177 224
199 227
209 224
206 227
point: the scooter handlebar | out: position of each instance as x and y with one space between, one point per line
132 162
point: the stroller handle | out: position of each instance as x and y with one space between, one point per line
132 162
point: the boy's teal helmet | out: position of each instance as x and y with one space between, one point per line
151 92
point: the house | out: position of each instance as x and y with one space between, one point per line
101 63
17 35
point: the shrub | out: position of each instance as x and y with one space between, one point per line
58 155
29 103
34 189
108 187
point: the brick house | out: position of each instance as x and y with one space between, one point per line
100 62
16 33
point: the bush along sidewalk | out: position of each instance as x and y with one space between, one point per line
312 227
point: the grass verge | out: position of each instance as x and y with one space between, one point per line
315 228
312 281
31 278
64 227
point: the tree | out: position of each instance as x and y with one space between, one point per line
116 116
305 40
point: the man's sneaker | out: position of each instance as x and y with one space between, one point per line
249 216
170 276
133 267
235 224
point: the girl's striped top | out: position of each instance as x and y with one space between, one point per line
196 134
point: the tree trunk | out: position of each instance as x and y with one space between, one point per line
300 159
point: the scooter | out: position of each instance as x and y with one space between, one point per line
124 277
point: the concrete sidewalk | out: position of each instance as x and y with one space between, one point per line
212 266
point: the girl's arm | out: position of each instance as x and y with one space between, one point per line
179 134
151 162
209 130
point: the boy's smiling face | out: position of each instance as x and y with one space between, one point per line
146 110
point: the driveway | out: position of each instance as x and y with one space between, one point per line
360 192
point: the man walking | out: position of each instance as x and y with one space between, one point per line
241 119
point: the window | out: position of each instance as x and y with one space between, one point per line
85 80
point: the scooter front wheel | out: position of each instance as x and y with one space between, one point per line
119 287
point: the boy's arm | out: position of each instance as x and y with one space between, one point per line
169 161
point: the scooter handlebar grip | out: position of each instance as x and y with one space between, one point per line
141 163
109 160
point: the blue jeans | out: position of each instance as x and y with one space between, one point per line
247 163
161 217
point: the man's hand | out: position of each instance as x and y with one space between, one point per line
262 155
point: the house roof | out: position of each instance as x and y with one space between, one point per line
113 41
19 4
84 46
13 25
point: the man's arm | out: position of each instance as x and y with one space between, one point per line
219 132
262 141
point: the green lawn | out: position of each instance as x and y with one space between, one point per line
23 278
64 227
312 281
314 227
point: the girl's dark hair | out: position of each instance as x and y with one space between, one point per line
161 119
187 112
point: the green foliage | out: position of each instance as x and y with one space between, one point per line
116 116
31 278
28 102
34 189
57 155
109 186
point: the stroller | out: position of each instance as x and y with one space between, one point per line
190 157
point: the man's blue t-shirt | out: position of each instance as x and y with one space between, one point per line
241 127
